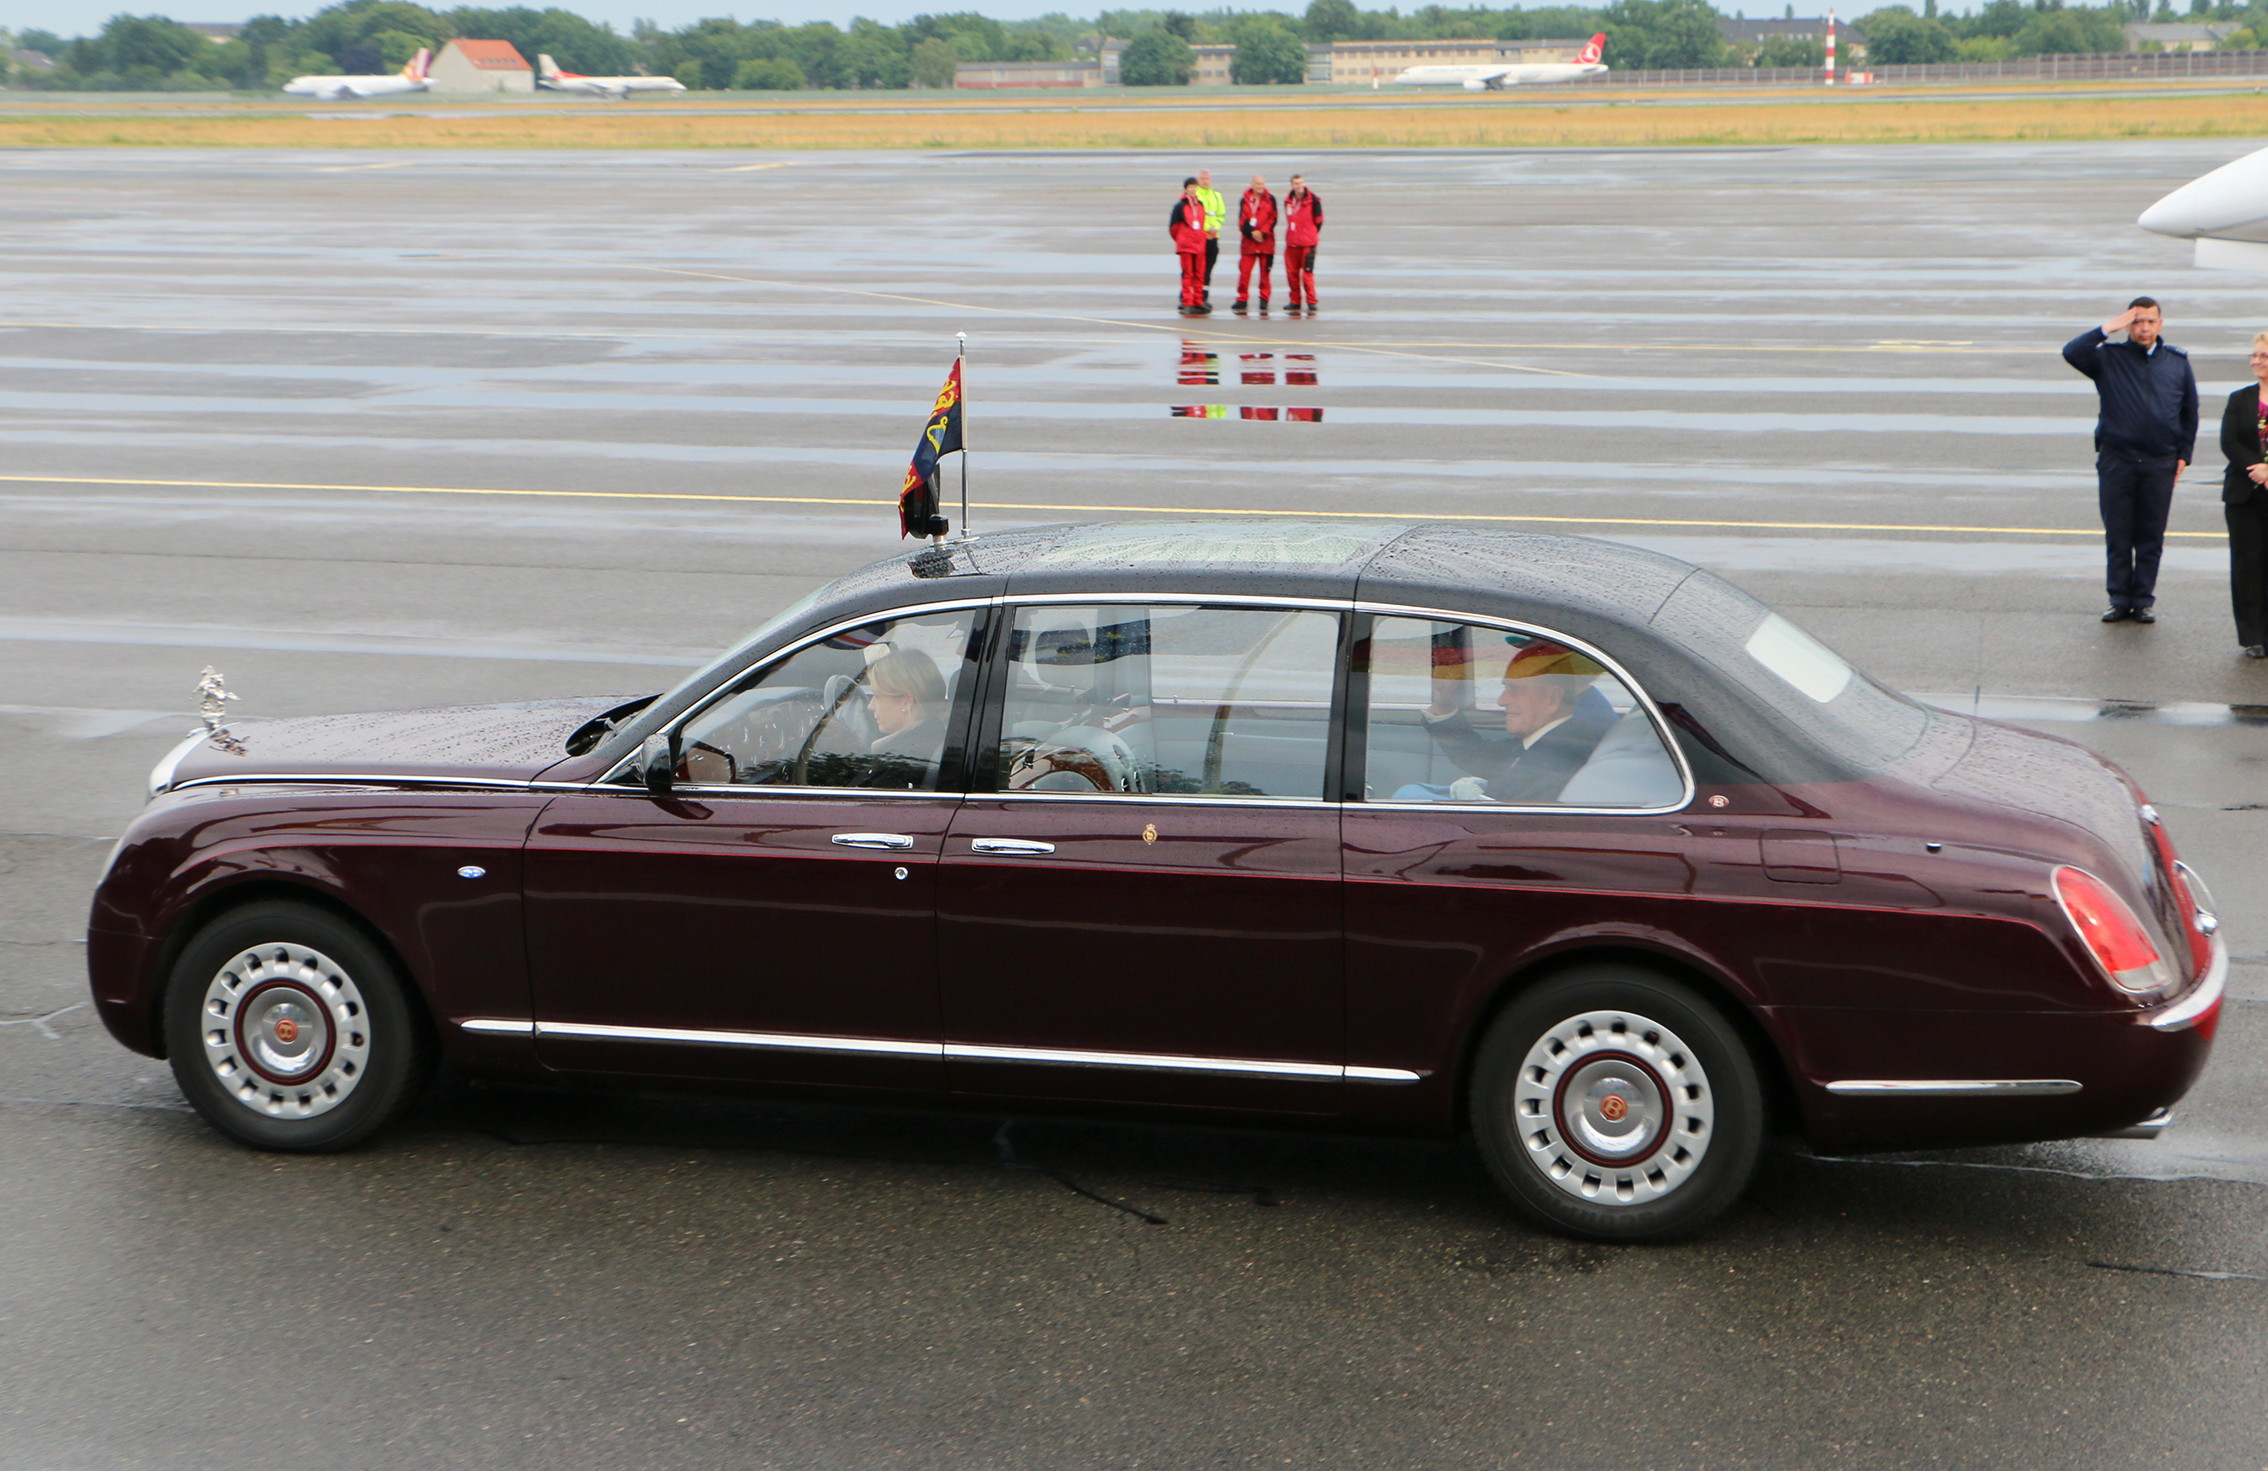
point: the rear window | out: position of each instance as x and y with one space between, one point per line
1810 689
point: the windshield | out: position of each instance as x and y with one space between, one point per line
738 654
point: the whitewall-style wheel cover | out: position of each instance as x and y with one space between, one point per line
285 1030
1613 1109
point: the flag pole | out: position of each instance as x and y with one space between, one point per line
960 359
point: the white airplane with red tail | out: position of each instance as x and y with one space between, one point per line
410 78
1496 76
549 75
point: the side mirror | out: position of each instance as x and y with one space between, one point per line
657 763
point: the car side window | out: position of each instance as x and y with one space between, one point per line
1459 712
1214 701
870 707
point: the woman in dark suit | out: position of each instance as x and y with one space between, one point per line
2244 500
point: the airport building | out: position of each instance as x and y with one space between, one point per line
1087 71
1359 61
2203 37
480 66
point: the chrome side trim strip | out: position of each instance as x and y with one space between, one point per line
1319 1072
1955 1087
2202 998
377 779
498 1024
784 1041
1383 1075
1150 1061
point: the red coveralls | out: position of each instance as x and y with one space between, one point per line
1256 222
1303 219
1187 226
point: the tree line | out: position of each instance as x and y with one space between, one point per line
154 53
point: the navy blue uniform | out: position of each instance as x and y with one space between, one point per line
2147 427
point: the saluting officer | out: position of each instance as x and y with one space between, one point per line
2145 436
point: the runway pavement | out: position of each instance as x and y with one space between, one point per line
368 431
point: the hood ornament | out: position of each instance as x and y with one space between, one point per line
212 701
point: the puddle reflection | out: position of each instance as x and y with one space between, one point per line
1201 367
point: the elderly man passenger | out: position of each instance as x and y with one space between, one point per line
1553 719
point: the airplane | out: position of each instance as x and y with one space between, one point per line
1496 76
2225 212
411 78
549 75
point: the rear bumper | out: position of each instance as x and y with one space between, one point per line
2201 1008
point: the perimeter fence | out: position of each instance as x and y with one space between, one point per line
2121 66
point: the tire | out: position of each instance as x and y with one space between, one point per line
290 1031
1615 1104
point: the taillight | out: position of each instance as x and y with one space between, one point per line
2112 934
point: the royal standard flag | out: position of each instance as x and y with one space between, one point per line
917 498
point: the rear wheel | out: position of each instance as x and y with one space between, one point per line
288 1030
1613 1103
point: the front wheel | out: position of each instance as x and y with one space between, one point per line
288 1030
1616 1104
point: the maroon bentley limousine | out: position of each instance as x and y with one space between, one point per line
1394 828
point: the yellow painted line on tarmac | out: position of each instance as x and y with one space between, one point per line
749 168
878 505
349 168
1429 349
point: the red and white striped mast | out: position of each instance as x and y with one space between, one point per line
1830 48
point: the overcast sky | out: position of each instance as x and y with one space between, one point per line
84 17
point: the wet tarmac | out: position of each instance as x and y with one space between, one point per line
474 426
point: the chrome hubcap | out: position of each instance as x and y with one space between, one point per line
1613 1108
285 1031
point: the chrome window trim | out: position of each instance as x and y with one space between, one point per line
1200 799
713 790
1177 600
1955 1087
789 651
1612 666
1319 1072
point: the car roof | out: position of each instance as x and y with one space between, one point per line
1680 631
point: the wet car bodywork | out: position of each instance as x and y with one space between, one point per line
1858 891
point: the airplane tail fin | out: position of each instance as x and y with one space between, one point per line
545 66
415 69
1594 50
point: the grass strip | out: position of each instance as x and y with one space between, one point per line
1855 119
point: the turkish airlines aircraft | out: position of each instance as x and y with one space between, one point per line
2225 212
411 78
1495 78
549 75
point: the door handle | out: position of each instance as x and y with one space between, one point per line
873 840
1020 847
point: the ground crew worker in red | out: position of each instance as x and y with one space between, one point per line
1303 223
1187 226
1256 222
